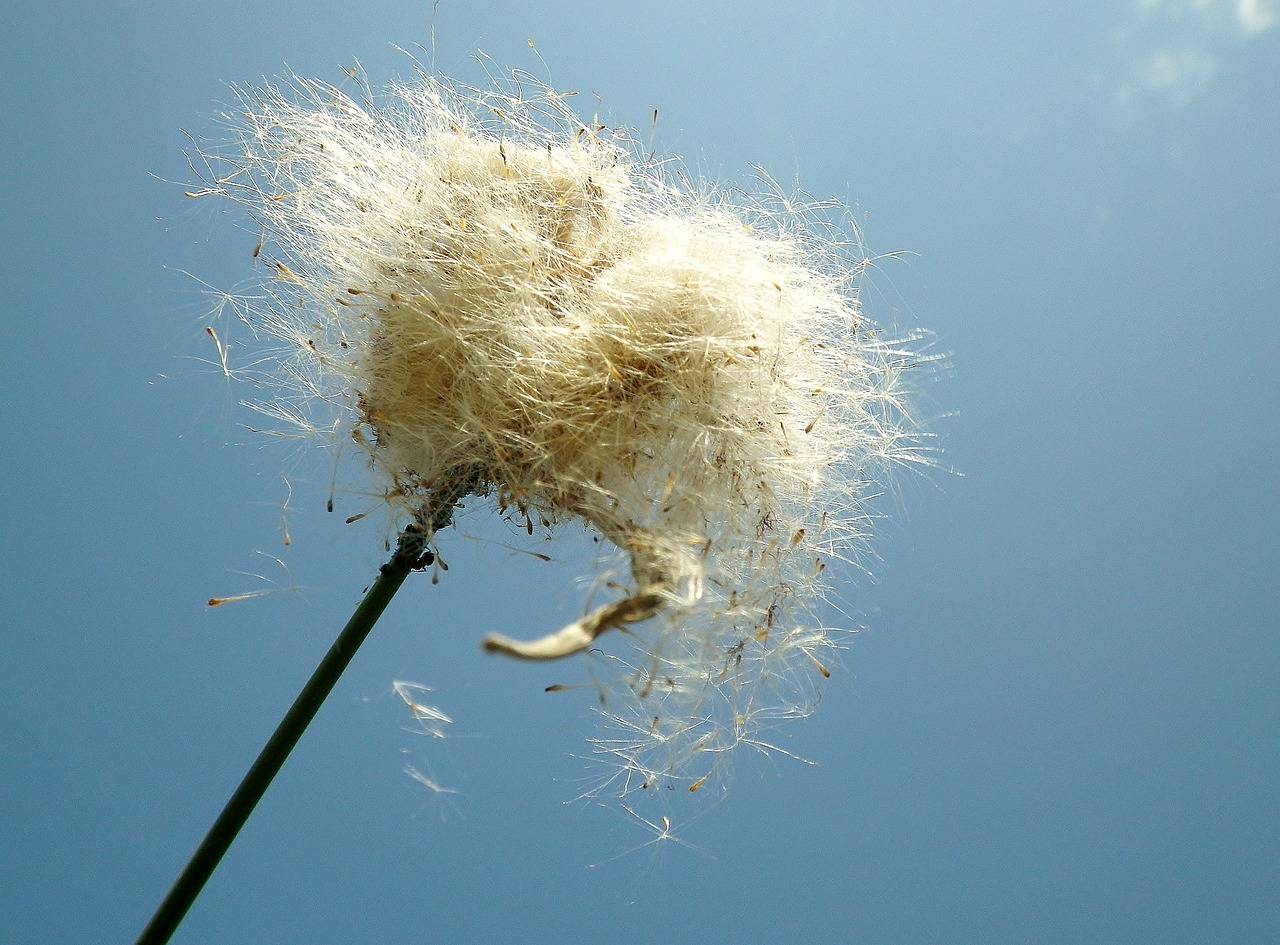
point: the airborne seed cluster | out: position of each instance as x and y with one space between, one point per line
494 298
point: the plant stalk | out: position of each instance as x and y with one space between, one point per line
410 553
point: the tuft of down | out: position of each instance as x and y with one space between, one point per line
493 298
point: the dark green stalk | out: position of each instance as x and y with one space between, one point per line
410 553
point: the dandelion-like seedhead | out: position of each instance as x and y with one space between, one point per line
495 299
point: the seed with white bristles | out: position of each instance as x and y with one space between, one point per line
492 298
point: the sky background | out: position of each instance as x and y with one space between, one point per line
1061 721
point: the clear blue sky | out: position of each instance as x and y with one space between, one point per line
1062 721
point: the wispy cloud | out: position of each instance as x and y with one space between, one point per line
1256 16
1171 50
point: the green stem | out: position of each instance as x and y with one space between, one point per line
409 552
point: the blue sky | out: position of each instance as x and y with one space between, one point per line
1061 721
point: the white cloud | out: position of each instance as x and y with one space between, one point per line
1256 16
1178 74
1170 49
1250 16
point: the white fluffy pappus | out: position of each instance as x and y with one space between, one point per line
495 299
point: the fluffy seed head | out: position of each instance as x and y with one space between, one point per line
494 298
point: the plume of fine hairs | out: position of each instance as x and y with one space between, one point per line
493 298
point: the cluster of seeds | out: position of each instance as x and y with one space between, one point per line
495 299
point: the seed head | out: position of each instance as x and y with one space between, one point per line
495 299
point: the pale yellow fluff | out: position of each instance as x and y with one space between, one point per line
494 298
